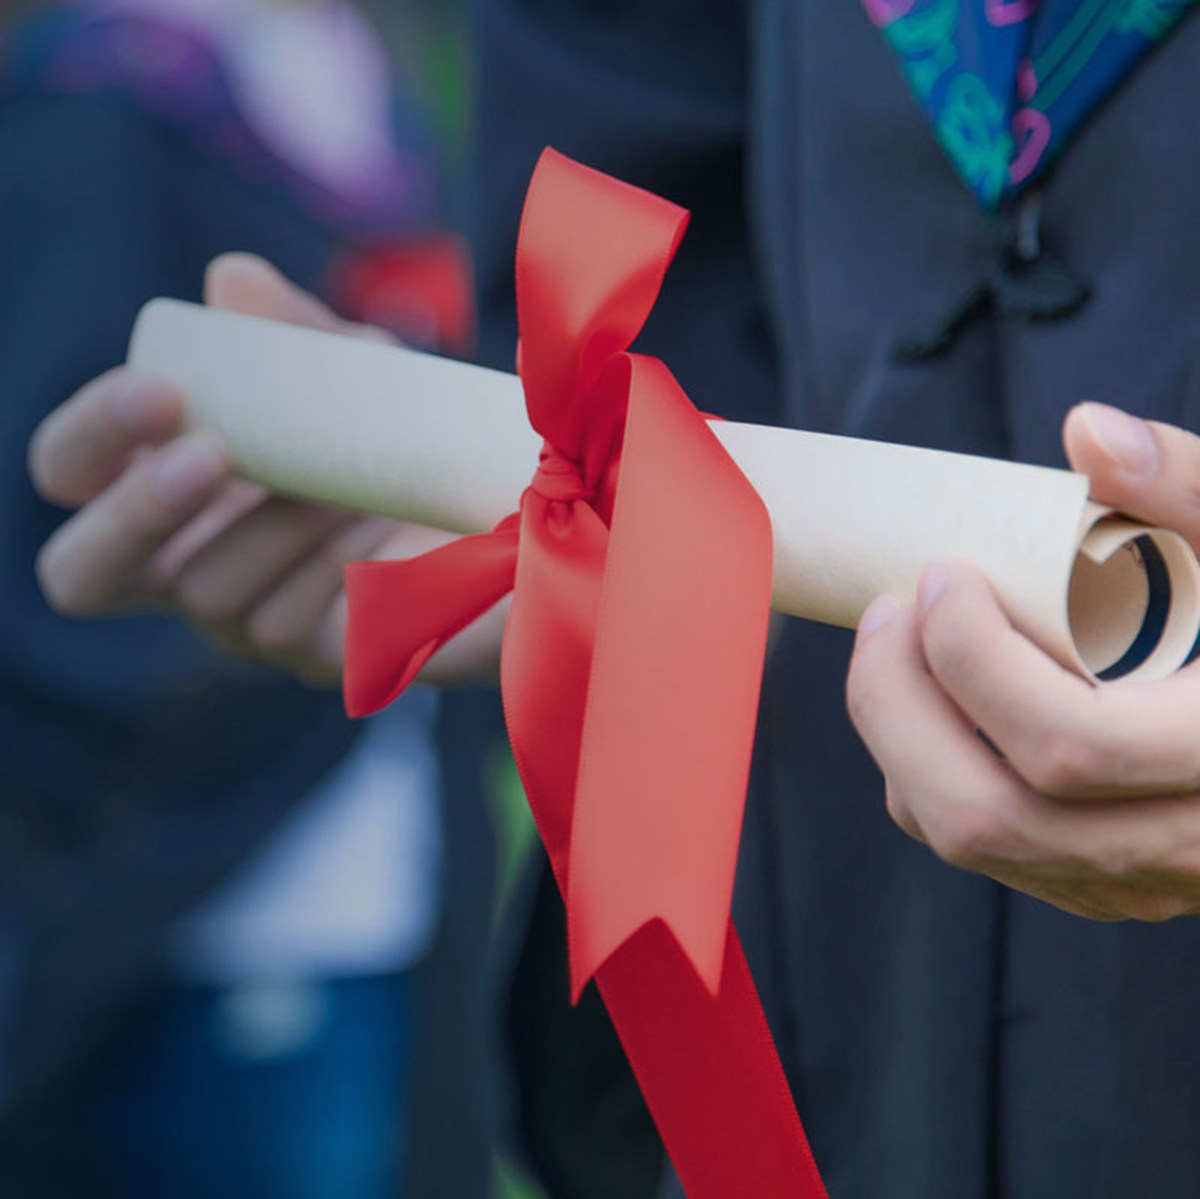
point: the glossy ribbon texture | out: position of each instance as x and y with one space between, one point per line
640 567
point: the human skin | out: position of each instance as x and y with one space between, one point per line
163 524
1086 797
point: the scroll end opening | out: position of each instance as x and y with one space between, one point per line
1134 602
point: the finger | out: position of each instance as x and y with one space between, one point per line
94 560
957 791
1147 469
328 649
85 443
249 284
228 575
1084 904
1136 859
234 641
1107 860
232 503
1062 735
472 654
246 283
289 618
901 814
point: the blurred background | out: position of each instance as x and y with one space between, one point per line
246 948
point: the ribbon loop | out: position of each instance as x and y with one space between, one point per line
592 253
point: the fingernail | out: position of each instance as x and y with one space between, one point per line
136 403
932 584
1125 439
876 616
188 470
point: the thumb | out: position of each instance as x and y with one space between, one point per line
1144 468
248 284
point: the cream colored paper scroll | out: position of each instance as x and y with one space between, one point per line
425 439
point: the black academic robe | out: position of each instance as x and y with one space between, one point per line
137 765
945 1039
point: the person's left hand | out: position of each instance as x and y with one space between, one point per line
162 524
1093 801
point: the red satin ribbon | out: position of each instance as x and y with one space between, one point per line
640 566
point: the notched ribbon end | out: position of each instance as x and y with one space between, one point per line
400 612
703 949
361 695
375 672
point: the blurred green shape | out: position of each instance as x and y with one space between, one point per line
512 821
509 1182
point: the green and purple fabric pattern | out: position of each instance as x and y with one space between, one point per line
1006 83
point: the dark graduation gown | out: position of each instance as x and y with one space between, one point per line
137 765
945 1039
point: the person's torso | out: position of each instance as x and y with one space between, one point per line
947 1039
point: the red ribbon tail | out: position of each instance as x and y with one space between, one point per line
708 1069
681 632
400 613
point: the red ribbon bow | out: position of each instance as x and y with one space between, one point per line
640 566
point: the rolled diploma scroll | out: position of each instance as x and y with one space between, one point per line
405 434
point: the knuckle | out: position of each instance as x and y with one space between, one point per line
140 524
950 654
900 813
970 835
204 601
137 509
1066 764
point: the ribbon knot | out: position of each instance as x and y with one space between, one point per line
558 478
629 672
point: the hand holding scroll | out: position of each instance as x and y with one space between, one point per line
1093 803
163 522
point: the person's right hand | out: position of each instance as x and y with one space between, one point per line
1086 797
162 522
